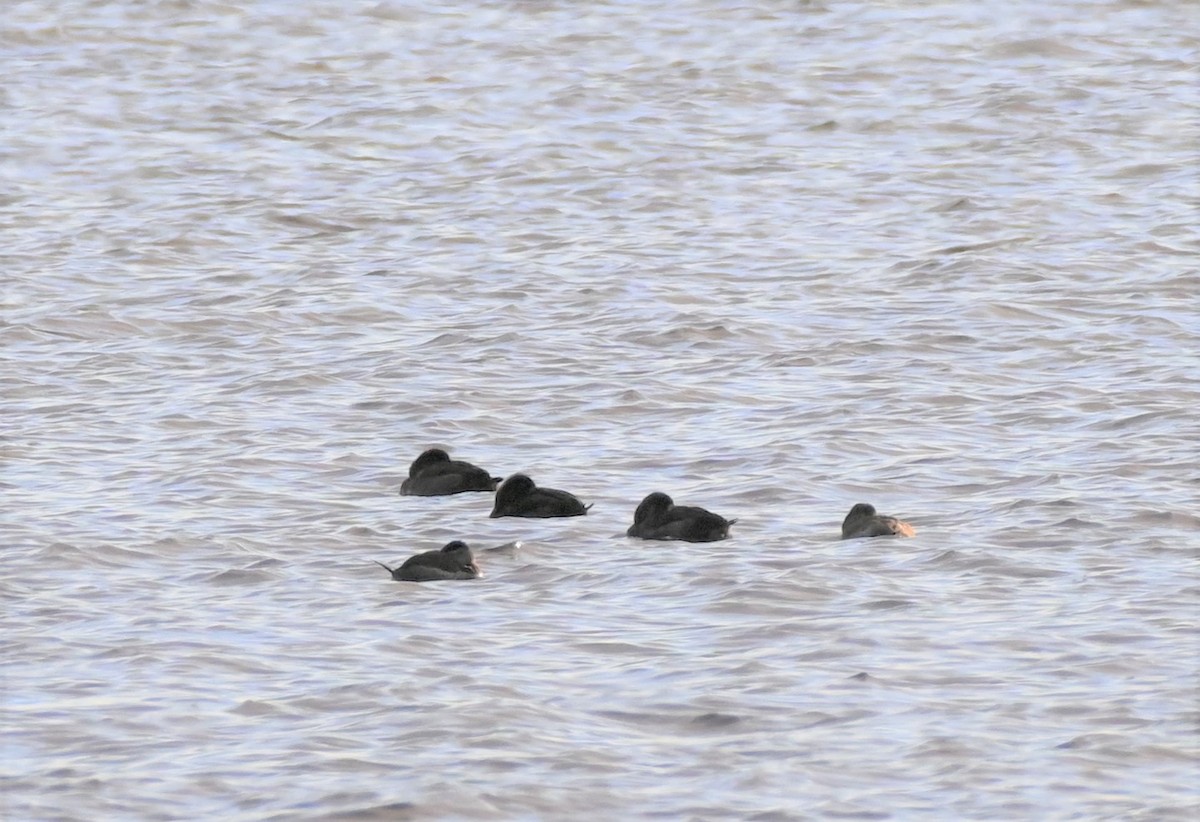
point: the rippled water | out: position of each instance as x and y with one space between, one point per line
772 258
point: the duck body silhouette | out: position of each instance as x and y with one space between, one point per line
519 496
453 561
658 517
864 521
434 474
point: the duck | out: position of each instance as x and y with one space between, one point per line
863 521
658 517
434 474
453 561
518 496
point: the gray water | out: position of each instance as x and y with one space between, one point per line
772 258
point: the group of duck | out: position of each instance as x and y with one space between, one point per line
434 474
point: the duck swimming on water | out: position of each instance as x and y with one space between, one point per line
658 517
434 474
453 561
518 496
863 521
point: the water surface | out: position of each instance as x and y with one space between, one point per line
773 259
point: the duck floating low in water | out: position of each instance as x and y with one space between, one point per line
658 517
434 474
518 496
863 521
453 561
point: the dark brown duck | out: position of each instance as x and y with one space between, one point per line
658 517
453 561
434 474
863 521
518 496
